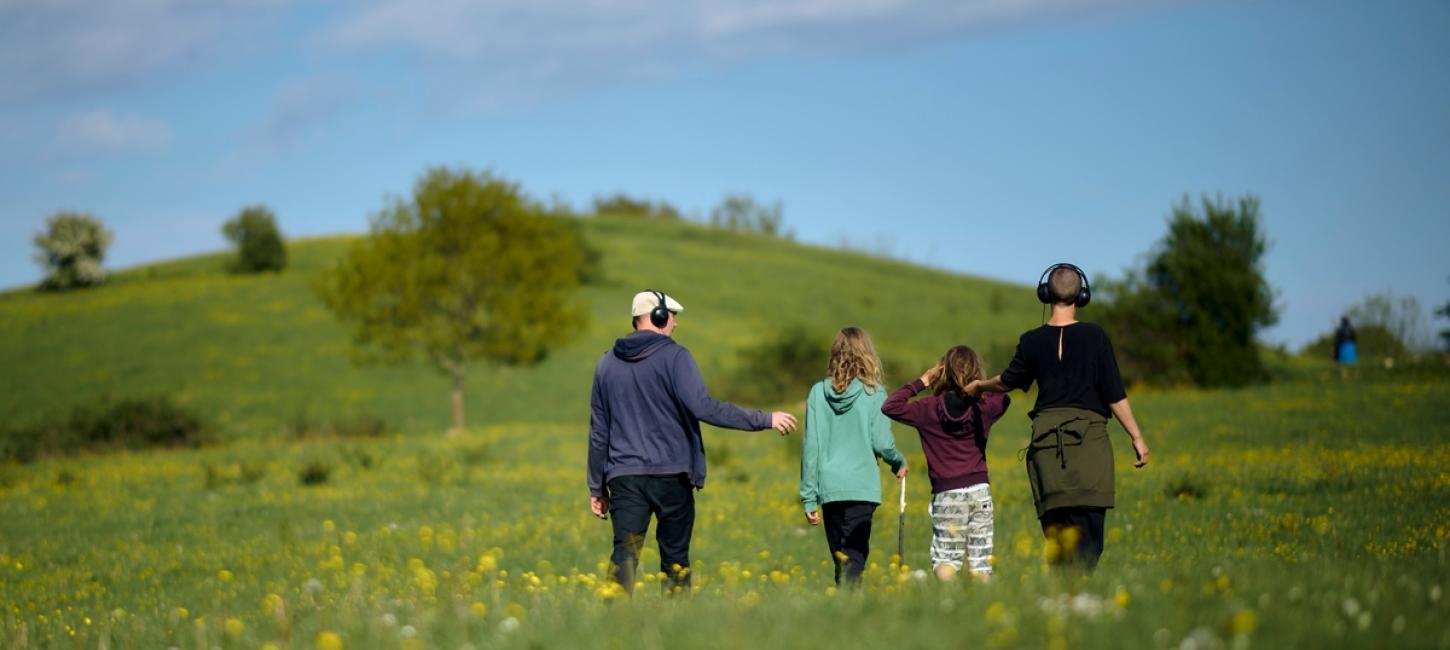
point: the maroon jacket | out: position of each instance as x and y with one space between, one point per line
953 432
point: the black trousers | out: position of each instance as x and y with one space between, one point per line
632 501
1082 547
848 533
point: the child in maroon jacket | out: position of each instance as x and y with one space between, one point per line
954 427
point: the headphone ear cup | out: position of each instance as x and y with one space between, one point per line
1042 293
659 316
1084 296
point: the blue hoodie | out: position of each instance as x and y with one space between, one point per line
645 411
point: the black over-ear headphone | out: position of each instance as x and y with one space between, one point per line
1044 292
660 315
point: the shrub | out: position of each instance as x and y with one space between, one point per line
134 423
742 212
259 244
360 426
315 472
1192 313
71 250
783 367
622 205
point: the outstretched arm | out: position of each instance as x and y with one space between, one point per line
1124 412
690 388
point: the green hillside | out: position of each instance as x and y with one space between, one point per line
256 353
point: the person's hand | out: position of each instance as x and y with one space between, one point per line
813 518
972 387
599 506
901 473
931 375
1141 449
782 422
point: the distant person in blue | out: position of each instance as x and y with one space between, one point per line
1345 350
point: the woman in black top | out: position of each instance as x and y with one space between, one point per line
1070 460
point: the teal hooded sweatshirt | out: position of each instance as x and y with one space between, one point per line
845 434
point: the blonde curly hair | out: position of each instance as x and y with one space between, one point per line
853 356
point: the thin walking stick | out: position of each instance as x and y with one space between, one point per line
901 524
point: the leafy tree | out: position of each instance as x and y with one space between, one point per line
627 206
1192 313
259 246
468 269
71 250
742 212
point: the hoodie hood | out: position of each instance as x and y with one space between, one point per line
955 414
637 346
841 402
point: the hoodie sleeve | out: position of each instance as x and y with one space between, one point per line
994 406
598 439
811 455
899 407
884 443
691 391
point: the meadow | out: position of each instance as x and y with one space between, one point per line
1305 515
1311 512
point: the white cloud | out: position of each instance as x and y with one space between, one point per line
62 47
108 132
507 49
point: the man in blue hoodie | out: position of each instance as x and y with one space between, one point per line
646 456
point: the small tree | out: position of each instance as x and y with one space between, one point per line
259 246
1192 314
71 250
469 269
742 212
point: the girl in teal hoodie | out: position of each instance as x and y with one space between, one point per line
845 434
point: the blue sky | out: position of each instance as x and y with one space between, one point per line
991 137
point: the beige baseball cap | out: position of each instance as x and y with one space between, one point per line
646 301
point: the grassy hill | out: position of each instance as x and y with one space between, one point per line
254 354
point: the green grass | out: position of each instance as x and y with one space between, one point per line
1309 514
1313 512
255 353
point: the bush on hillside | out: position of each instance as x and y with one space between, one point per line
742 212
259 245
1192 313
622 205
782 367
71 250
134 423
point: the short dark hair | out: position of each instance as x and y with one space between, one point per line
1065 285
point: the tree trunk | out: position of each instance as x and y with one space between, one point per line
457 373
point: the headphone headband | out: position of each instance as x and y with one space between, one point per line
1044 291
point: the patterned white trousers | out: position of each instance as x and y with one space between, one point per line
961 526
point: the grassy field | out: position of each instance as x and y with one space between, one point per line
1312 514
256 353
